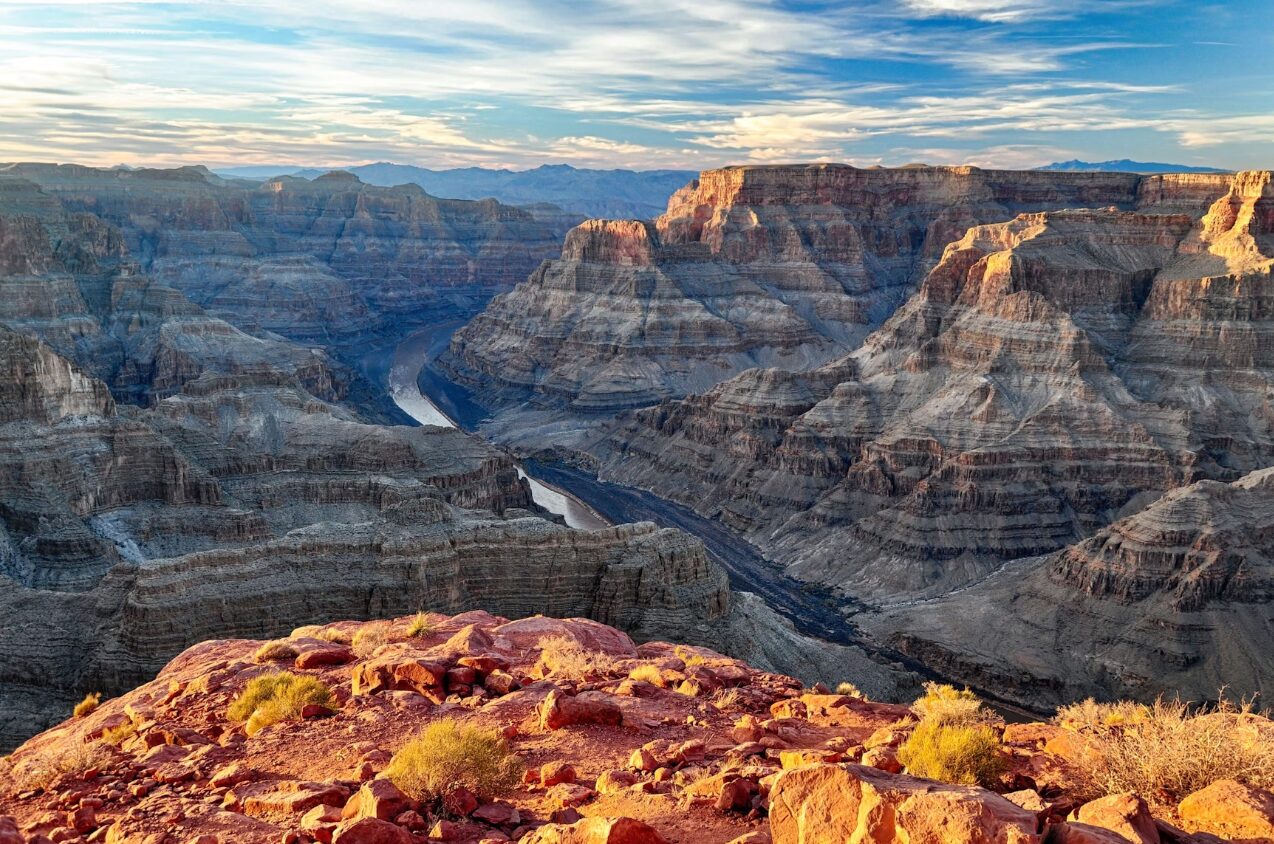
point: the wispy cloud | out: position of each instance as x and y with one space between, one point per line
612 82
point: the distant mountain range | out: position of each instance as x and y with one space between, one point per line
1124 165
622 194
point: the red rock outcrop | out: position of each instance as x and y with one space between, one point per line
740 756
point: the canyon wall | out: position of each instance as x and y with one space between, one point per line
327 260
749 266
1055 373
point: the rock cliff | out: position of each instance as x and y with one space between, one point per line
1054 374
325 260
749 266
1176 597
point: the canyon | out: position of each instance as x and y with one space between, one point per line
1056 371
1009 428
169 476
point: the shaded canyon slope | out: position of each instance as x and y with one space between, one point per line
1055 374
327 260
749 266
166 477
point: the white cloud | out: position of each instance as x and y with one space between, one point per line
515 82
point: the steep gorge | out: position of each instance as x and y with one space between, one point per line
1055 373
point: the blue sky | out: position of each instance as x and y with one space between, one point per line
637 83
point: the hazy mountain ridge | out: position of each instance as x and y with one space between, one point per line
594 193
1125 165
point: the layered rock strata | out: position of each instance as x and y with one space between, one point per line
323 260
1174 597
1054 374
749 266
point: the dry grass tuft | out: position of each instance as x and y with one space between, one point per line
688 656
729 699
116 736
450 753
850 690
962 753
88 705
272 698
1091 715
43 772
332 634
371 636
1168 750
647 673
563 656
276 651
422 625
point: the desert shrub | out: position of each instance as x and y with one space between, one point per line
849 689
88 705
44 771
943 704
450 753
332 634
272 698
275 651
421 625
565 657
963 753
1091 715
369 637
1168 750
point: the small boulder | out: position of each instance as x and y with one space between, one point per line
596 831
1126 814
378 799
554 773
611 782
1230 810
371 831
559 710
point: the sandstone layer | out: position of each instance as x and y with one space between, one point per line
1175 597
749 266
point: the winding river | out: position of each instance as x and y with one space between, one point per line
431 399
409 359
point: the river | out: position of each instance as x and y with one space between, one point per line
428 397
404 373
420 391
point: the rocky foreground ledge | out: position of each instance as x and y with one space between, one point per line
601 741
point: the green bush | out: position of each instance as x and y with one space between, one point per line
450 753
966 754
272 698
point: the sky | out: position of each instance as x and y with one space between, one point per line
636 83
